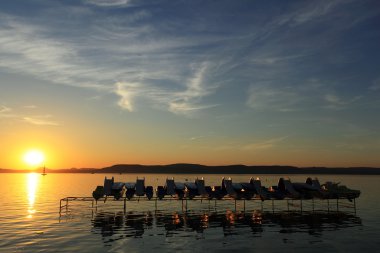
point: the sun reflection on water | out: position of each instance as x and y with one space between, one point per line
32 183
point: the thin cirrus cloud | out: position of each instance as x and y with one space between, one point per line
254 145
184 102
4 110
41 120
265 144
337 103
108 3
375 85
28 48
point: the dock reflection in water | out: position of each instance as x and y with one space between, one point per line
118 225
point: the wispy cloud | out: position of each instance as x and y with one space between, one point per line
42 120
108 3
253 146
311 95
179 102
29 48
194 138
188 100
30 106
266 144
278 99
127 93
310 11
375 85
4 110
337 103
26 48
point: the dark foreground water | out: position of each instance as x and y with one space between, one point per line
30 220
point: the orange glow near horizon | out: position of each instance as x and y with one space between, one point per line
63 153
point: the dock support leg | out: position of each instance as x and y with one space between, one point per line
244 205
182 204
337 205
272 206
262 206
125 205
328 205
186 204
92 203
235 205
60 206
155 204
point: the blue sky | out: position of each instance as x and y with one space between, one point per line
214 82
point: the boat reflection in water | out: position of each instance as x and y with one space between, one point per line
115 226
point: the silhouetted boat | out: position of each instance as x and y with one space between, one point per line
197 188
141 190
254 187
112 188
286 187
44 172
234 190
117 190
98 193
171 188
308 190
130 189
334 190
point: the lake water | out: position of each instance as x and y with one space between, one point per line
30 220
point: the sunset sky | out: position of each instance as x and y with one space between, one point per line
93 83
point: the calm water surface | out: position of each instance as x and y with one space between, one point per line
30 220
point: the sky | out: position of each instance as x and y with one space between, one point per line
93 83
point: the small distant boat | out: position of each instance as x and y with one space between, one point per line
44 172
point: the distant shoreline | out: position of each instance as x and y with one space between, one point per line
183 168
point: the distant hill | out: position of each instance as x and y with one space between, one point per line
184 168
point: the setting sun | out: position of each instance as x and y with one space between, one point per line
34 157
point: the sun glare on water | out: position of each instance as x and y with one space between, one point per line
34 157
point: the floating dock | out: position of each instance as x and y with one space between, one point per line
286 196
272 205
